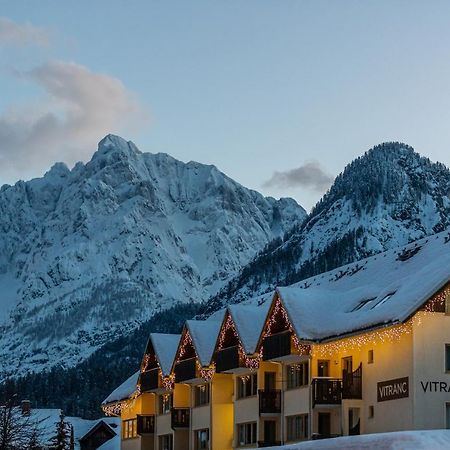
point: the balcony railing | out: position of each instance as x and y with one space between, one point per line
180 418
149 380
185 370
269 443
269 401
327 391
352 384
227 359
277 345
145 424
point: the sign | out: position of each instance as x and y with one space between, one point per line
393 389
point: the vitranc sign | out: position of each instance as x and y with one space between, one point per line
393 389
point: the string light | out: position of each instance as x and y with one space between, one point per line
438 301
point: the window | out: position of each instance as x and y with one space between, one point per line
371 412
447 357
165 403
129 429
201 394
166 442
363 303
370 357
246 434
297 427
202 439
323 368
247 385
383 300
297 375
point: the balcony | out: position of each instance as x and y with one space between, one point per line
269 443
145 424
149 380
185 370
227 359
180 418
327 391
352 384
269 401
277 345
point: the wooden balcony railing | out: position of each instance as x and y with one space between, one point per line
185 370
149 380
180 418
277 345
269 401
352 384
327 391
145 424
227 359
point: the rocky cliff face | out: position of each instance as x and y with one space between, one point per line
88 254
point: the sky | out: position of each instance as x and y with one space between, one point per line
280 95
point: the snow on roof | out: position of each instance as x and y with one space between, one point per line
82 426
383 289
112 444
204 336
404 440
165 346
125 390
249 321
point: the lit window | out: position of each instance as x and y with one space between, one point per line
323 368
447 357
297 375
246 434
202 439
129 428
201 394
370 356
247 385
165 403
297 427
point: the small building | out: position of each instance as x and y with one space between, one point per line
97 436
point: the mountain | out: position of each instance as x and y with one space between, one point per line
386 198
89 254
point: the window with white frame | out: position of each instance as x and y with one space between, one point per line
247 385
246 434
129 428
201 394
165 403
297 375
297 427
202 439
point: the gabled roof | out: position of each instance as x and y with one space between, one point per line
249 321
384 289
124 391
100 424
204 336
165 347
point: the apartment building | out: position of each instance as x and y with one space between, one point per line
364 348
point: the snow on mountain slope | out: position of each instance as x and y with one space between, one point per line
386 198
89 253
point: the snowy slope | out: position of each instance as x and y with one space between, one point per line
387 198
92 252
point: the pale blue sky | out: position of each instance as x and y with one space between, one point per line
251 86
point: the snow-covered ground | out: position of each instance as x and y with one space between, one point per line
401 440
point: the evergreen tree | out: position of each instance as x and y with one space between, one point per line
62 438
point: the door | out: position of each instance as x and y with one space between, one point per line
270 431
323 368
353 422
324 424
269 381
347 365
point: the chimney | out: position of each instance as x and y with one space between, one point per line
26 407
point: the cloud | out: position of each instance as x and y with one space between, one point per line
78 108
12 33
310 176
